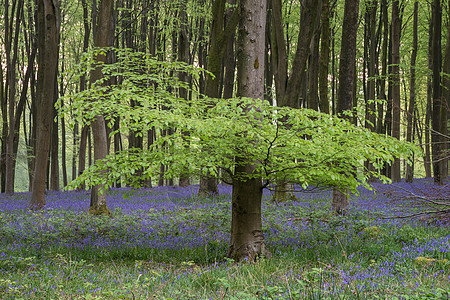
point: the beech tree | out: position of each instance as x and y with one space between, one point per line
47 32
102 40
346 80
248 139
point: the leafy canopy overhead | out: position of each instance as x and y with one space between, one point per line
292 145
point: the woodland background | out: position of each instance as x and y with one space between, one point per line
402 62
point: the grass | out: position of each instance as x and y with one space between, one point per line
164 243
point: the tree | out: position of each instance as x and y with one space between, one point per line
324 57
102 40
412 93
436 55
247 138
219 36
346 80
396 30
289 88
247 239
445 108
48 27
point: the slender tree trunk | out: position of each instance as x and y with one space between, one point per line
371 40
11 79
104 28
219 36
324 57
396 30
384 59
313 71
247 239
229 58
63 144
290 88
445 107
48 27
436 109
183 55
54 147
412 92
428 112
346 80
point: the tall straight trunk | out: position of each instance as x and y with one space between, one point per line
229 58
427 157
396 30
436 20
445 106
313 72
82 152
247 239
268 71
54 147
103 39
412 92
63 135
346 80
372 47
4 136
31 145
83 86
183 55
384 66
11 61
324 57
371 41
74 155
48 28
289 88
219 36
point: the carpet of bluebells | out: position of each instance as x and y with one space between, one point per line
166 243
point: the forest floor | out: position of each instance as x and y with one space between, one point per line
165 243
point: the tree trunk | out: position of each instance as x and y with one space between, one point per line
229 58
54 148
428 113
346 80
436 109
445 106
324 57
289 88
82 152
313 71
219 36
396 30
247 239
183 55
412 93
11 82
384 62
48 27
104 28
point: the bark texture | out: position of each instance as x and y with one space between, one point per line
219 37
48 23
346 79
247 239
412 93
104 28
396 29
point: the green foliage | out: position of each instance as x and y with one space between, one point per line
295 145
